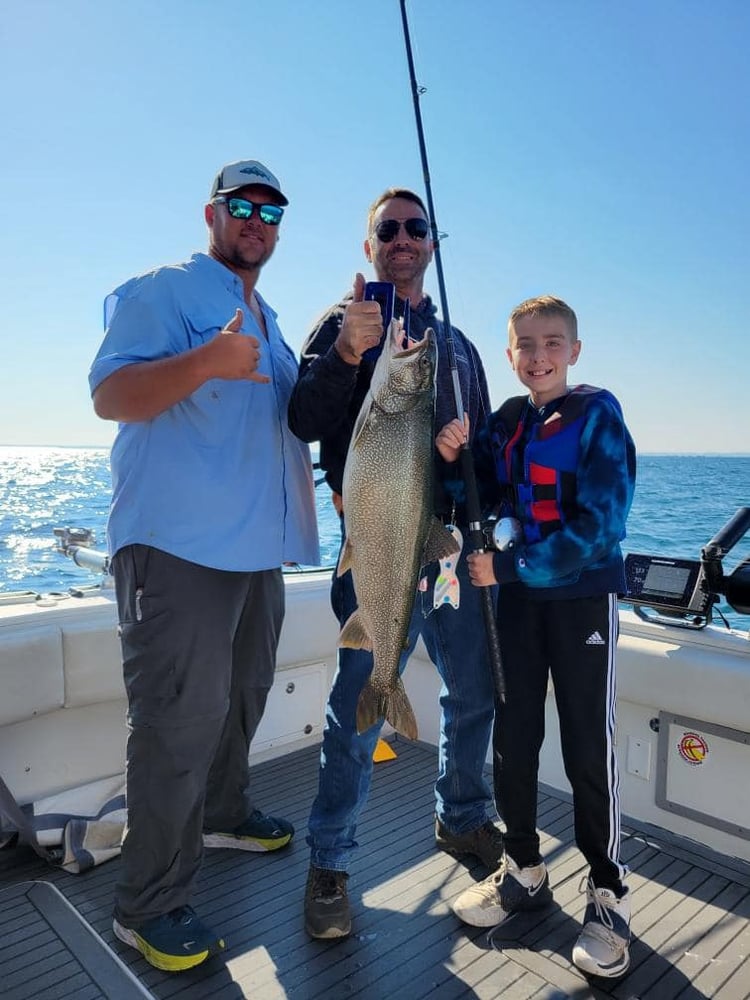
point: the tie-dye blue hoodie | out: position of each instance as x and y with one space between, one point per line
567 472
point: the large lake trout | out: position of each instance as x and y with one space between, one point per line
391 531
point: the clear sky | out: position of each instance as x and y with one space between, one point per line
587 148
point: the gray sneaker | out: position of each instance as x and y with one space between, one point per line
484 842
507 891
327 913
602 948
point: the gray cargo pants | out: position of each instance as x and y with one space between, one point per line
199 655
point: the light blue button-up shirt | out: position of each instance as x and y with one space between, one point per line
218 478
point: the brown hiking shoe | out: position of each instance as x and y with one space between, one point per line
484 842
327 913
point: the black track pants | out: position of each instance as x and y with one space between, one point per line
573 641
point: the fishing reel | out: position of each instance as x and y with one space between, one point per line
501 534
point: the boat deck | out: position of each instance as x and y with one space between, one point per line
691 935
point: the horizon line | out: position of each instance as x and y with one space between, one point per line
649 454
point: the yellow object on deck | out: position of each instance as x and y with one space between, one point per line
383 751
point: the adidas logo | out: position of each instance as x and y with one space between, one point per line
595 640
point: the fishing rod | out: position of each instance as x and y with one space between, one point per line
473 506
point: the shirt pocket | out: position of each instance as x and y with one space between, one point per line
200 326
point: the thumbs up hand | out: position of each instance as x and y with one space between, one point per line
235 355
362 326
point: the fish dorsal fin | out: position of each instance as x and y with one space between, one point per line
439 543
354 635
345 558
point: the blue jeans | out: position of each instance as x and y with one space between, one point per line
455 641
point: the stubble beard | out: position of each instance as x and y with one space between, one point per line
250 261
242 260
403 274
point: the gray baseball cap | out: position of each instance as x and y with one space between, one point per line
237 175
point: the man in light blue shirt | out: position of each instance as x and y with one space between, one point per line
211 495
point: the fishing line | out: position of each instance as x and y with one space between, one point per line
473 506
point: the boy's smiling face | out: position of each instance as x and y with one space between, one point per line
541 349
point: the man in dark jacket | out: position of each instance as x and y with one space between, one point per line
335 373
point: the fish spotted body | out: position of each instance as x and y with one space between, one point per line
391 530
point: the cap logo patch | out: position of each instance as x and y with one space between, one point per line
256 171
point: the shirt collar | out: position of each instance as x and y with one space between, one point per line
229 279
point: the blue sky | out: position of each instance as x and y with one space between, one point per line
595 150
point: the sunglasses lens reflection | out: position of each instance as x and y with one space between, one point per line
241 208
387 230
417 228
271 214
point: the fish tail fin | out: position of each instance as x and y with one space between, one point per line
394 707
400 714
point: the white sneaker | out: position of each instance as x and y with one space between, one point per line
507 891
602 946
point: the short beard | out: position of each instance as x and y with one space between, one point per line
237 261
404 274
243 263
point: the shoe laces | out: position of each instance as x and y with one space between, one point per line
259 820
489 832
182 915
602 926
498 876
258 816
327 883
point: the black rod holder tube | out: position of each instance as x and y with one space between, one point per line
728 536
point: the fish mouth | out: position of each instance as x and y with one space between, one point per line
427 347
409 351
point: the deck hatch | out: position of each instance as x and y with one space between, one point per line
696 762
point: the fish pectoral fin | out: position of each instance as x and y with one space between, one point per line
354 635
439 544
361 420
393 706
345 558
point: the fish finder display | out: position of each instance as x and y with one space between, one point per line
667 581
670 584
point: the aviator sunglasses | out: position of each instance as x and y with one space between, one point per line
241 208
387 230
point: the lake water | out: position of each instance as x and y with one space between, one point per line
681 501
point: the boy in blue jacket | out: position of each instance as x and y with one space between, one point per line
562 463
